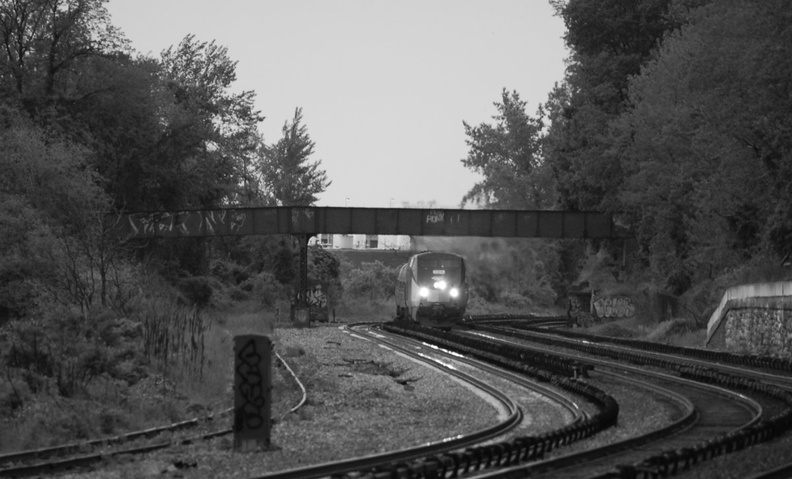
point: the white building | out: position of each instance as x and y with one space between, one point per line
362 241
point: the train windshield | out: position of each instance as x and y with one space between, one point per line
439 267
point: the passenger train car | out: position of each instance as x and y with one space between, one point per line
431 290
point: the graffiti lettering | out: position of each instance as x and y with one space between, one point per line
317 303
158 223
213 218
237 220
164 223
317 298
435 216
251 388
298 212
614 307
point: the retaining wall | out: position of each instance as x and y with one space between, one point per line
754 318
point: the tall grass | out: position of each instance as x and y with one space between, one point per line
360 309
174 336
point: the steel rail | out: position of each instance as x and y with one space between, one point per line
299 383
561 398
345 466
73 447
681 355
19 470
686 422
781 380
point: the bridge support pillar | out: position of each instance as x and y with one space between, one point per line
300 311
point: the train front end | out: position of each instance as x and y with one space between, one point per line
439 292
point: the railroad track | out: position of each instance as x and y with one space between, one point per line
426 456
771 370
462 463
706 439
714 411
489 373
61 458
56 459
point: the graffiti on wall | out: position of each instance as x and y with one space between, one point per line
614 307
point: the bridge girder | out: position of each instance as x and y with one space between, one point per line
383 221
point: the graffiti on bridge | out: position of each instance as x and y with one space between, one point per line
435 216
186 222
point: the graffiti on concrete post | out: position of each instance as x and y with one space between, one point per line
252 390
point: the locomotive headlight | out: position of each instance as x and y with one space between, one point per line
441 285
454 293
423 292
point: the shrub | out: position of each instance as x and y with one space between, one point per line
228 272
239 294
515 300
266 289
197 290
372 280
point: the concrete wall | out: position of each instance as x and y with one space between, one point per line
586 308
753 318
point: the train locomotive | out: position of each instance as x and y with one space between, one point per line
431 290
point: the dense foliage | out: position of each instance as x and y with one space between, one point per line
674 116
89 128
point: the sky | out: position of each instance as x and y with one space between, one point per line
384 86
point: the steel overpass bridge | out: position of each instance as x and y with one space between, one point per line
304 222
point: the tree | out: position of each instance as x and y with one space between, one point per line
52 209
610 40
705 147
508 156
209 133
41 41
288 177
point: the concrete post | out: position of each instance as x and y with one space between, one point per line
252 392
